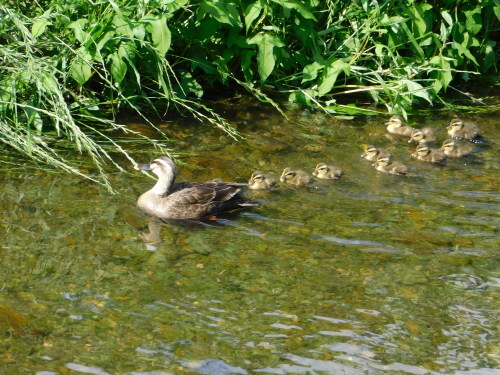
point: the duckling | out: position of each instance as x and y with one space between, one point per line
188 200
454 150
327 172
295 177
465 130
261 181
424 135
372 153
396 125
431 155
386 165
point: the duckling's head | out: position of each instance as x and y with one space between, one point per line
449 144
321 170
161 166
456 124
416 136
288 174
383 161
258 180
395 121
423 150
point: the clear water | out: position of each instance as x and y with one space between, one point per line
370 274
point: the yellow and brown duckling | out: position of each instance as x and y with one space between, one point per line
424 135
454 150
386 165
431 155
295 177
261 181
327 172
372 153
464 130
398 126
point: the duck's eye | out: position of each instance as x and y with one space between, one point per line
290 174
323 168
258 178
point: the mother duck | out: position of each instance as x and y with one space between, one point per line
188 200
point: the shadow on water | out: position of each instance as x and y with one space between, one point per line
369 274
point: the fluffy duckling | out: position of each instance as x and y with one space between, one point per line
372 153
424 135
454 150
464 130
431 155
327 172
261 181
386 165
397 125
295 177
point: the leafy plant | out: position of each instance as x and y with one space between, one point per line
68 67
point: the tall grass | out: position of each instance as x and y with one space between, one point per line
68 67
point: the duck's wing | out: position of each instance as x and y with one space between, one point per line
205 193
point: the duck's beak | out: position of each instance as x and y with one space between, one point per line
142 167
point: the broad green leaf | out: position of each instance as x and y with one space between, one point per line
6 93
80 68
298 6
446 16
303 96
77 27
310 72
49 83
223 11
416 89
189 85
473 20
104 39
330 75
160 33
39 26
122 27
252 12
33 116
118 67
388 21
442 74
265 58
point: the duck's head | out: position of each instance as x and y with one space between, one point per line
321 170
456 124
162 166
395 121
258 180
288 174
449 144
369 150
422 150
416 136
383 161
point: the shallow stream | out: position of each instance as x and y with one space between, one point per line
369 274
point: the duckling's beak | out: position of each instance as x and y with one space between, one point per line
142 167
282 178
387 123
411 140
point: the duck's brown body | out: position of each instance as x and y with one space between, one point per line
396 125
431 155
454 150
424 135
464 130
261 181
188 200
295 177
384 164
372 153
327 172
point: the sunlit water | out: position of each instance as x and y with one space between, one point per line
370 274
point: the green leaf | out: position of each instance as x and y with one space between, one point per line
446 16
49 83
388 21
80 68
223 11
77 27
160 33
39 26
265 58
416 89
473 20
330 75
442 75
310 72
298 6
252 12
118 67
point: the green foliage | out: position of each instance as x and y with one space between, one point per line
64 62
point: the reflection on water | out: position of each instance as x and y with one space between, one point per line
369 274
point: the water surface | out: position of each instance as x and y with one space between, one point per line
370 274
